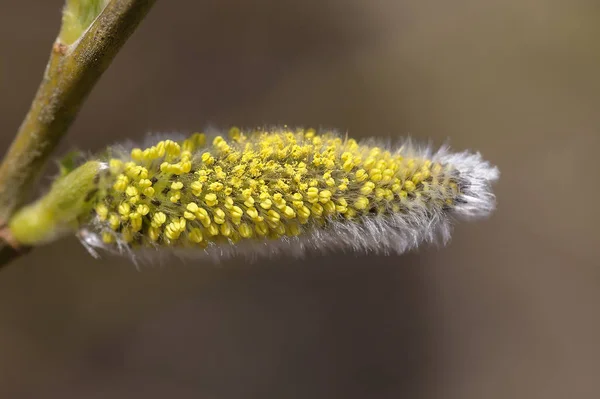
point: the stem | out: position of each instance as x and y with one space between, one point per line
70 75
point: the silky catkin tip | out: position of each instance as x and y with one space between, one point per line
271 191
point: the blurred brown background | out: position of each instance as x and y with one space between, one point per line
508 310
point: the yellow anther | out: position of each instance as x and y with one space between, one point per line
367 188
249 202
236 211
202 214
185 167
102 212
216 186
165 167
107 238
207 159
219 174
361 175
245 230
143 209
369 163
144 183
316 209
186 155
273 216
175 197
389 195
196 188
153 233
121 183
172 149
228 202
189 215
196 235
172 231
329 207
278 229
136 222
293 230
137 172
115 165
132 191
388 175
312 195
289 212
252 212
192 207
348 165
375 175
304 212
114 221
158 219
225 229
211 199
361 203
261 229
266 204
137 154
212 230
160 149
124 208
324 196
134 200
219 216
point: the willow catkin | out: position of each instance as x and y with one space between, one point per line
279 190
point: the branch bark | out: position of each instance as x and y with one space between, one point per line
70 75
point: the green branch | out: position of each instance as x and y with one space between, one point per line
92 33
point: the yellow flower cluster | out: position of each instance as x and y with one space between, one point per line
261 184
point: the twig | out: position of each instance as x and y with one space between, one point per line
71 73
